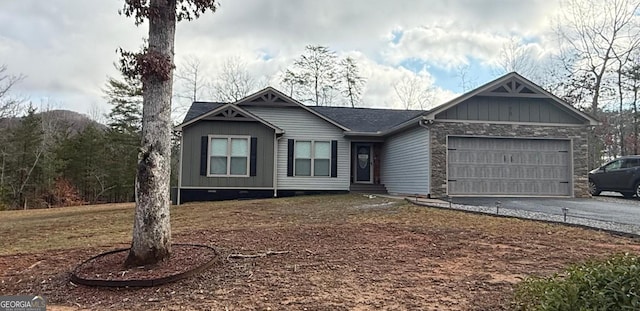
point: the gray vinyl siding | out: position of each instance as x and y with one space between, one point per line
509 109
299 124
191 154
405 162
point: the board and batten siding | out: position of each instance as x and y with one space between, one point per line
191 154
299 124
509 109
405 162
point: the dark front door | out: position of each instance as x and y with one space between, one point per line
363 163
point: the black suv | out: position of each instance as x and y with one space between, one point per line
620 175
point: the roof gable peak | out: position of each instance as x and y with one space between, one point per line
268 96
511 86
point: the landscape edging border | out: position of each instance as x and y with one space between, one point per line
142 283
568 224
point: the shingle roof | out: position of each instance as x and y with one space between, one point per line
199 108
367 119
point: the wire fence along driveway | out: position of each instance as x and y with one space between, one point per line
607 212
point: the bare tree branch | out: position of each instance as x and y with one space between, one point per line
413 93
234 81
9 104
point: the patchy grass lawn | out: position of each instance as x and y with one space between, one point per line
346 252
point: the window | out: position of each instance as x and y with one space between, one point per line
322 158
630 163
613 165
229 156
312 158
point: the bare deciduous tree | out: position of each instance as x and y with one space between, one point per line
412 93
592 32
234 81
514 57
192 81
9 104
352 83
467 81
292 82
316 69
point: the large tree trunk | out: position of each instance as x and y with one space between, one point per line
151 229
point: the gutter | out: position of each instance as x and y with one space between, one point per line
180 169
275 164
425 123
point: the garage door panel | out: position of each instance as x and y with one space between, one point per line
506 166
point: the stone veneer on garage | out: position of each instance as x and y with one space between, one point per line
440 130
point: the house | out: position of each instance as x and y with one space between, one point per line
508 137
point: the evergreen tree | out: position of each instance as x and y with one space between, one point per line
23 166
126 97
85 162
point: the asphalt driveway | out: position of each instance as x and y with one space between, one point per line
609 207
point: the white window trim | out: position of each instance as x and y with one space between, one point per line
313 158
228 138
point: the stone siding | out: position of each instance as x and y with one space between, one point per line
440 131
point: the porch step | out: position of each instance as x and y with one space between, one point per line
368 188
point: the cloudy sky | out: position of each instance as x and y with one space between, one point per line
66 48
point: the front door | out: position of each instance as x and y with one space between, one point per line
363 163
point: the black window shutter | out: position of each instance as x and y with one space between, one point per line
290 143
204 146
334 158
253 156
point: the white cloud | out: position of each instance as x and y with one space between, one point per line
67 47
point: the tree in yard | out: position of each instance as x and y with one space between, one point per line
292 82
192 81
622 61
592 32
352 82
316 68
514 57
467 81
413 93
151 241
234 81
632 75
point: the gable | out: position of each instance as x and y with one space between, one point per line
272 98
512 87
268 98
514 99
229 112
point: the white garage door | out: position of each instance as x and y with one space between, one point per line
508 166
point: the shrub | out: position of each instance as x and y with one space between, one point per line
610 284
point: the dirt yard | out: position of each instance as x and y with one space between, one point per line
346 252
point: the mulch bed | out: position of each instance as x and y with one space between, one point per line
107 269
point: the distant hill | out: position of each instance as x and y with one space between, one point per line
73 121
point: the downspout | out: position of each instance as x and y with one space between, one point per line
275 165
180 169
425 124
